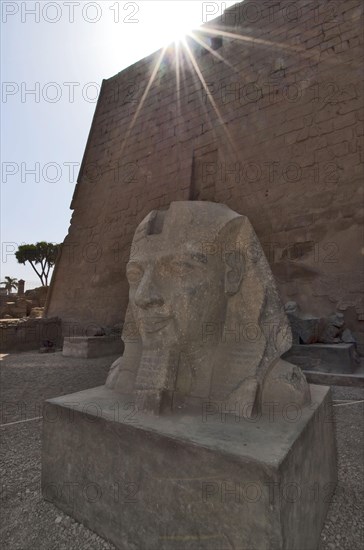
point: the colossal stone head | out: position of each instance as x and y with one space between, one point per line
204 321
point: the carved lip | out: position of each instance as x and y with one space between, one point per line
154 324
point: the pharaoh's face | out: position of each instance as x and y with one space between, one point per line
175 293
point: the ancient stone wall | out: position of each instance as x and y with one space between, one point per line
275 133
29 334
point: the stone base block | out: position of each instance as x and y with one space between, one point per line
92 346
210 481
338 358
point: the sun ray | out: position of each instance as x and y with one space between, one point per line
178 77
212 101
233 153
213 52
142 100
246 38
196 82
267 43
220 57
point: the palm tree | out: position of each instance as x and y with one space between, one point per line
10 283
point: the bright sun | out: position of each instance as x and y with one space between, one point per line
173 20
176 31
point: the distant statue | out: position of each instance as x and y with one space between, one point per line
204 321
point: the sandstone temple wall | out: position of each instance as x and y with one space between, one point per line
275 133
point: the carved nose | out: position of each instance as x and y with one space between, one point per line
147 295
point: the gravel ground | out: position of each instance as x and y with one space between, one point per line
30 523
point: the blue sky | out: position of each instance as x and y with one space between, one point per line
61 51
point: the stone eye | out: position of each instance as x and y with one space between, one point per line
134 274
181 267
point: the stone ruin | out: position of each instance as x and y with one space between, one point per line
29 303
275 134
322 344
198 407
200 285
22 323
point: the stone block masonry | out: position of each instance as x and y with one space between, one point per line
208 481
275 133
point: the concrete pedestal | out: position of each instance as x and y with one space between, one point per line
210 481
92 346
336 358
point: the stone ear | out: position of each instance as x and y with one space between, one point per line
234 271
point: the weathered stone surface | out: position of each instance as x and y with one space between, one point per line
21 286
16 309
36 313
332 329
20 304
337 358
295 119
294 116
188 407
347 337
207 481
308 329
305 328
29 334
92 346
37 295
355 380
204 319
